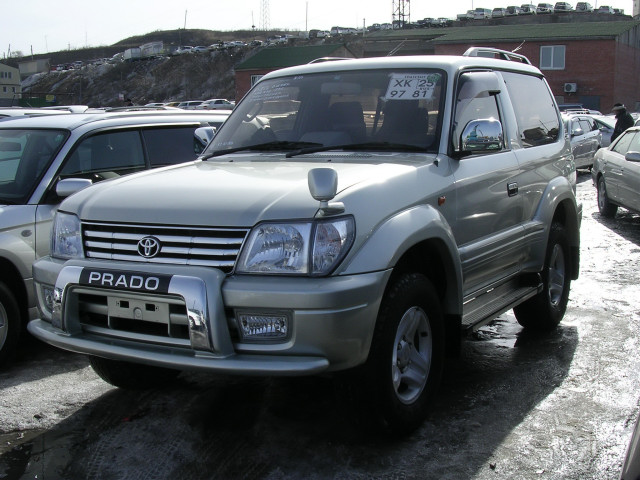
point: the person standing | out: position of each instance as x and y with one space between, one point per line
624 120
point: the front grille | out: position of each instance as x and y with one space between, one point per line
209 247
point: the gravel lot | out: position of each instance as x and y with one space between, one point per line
514 405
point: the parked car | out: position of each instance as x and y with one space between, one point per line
616 174
528 9
199 49
44 159
314 238
584 7
482 13
631 463
606 124
498 12
216 104
513 10
606 9
562 7
544 8
585 137
189 104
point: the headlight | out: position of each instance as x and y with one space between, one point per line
304 248
66 240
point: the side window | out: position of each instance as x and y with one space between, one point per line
538 120
634 146
118 152
475 100
623 145
585 125
167 146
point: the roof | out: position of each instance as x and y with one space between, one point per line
519 32
280 57
449 63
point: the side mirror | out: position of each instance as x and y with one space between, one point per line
632 157
323 183
201 138
577 132
69 186
482 135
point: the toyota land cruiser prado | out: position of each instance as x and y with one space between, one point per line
351 216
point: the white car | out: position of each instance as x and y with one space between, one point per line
216 104
616 174
189 104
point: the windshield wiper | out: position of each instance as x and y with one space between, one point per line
379 146
263 147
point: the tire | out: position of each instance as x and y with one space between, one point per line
132 376
546 309
392 391
606 208
10 325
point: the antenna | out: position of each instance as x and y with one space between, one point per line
401 13
264 14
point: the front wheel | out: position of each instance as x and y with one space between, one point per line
546 309
393 389
605 207
132 375
10 324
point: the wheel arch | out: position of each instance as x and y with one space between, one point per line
10 276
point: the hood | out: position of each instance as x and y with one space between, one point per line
205 193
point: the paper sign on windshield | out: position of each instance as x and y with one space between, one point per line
408 86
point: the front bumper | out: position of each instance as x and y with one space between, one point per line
187 318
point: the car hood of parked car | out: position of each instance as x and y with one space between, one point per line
207 193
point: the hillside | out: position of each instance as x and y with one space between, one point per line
182 77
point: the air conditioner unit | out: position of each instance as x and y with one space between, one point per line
570 87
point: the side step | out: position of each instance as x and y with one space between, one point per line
485 305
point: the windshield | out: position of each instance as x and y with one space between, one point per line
24 157
397 110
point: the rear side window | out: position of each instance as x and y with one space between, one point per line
167 146
538 121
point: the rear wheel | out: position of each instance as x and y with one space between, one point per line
606 208
393 389
10 324
546 309
132 375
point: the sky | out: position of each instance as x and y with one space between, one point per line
42 26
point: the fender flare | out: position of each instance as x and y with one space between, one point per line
394 237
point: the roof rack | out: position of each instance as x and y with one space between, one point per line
493 52
329 59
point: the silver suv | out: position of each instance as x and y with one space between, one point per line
352 217
46 158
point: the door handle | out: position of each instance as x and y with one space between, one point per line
512 189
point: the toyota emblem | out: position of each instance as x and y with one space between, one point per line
149 247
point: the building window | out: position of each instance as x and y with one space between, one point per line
255 78
552 57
